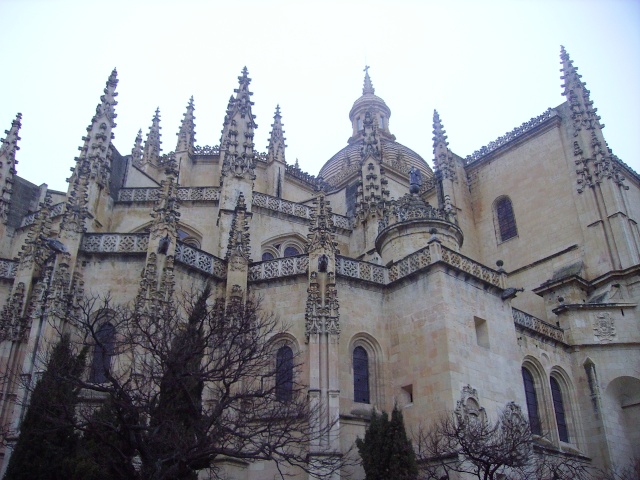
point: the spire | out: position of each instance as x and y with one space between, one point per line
236 144
93 165
442 157
439 133
187 133
99 133
275 150
368 86
152 147
582 112
8 148
136 151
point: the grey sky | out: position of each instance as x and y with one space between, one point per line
485 66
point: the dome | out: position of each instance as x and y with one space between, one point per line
394 155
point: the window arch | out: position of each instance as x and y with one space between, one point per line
532 401
559 409
291 251
284 374
267 256
361 392
102 353
505 219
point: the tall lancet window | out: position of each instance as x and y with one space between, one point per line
505 219
361 375
558 407
102 353
532 401
284 374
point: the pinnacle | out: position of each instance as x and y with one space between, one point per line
439 133
368 86
156 117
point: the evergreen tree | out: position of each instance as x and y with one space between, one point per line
175 419
386 450
47 443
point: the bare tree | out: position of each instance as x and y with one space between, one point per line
504 449
172 391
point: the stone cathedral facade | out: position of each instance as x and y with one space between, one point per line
510 275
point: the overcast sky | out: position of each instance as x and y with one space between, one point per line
486 66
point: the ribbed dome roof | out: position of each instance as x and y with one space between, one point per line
394 154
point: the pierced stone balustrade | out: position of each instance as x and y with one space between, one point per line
115 243
8 268
279 267
368 272
206 194
56 210
200 260
537 325
296 209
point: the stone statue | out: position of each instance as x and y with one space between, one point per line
415 180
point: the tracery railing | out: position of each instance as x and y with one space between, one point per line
149 194
8 268
410 264
537 325
206 150
115 242
296 209
200 260
513 134
184 194
280 205
56 210
472 267
279 267
369 272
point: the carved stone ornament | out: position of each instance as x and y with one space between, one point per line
468 407
604 326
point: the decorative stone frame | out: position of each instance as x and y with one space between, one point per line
375 363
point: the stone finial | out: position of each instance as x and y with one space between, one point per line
236 144
165 213
321 228
152 148
368 86
275 150
239 238
439 133
8 148
136 151
370 145
95 154
187 133
583 114
442 158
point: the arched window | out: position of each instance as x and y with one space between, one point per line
505 218
102 353
360 375
267 256
532 401
558 407
291 252
284 374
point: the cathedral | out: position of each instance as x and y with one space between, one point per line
508 275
